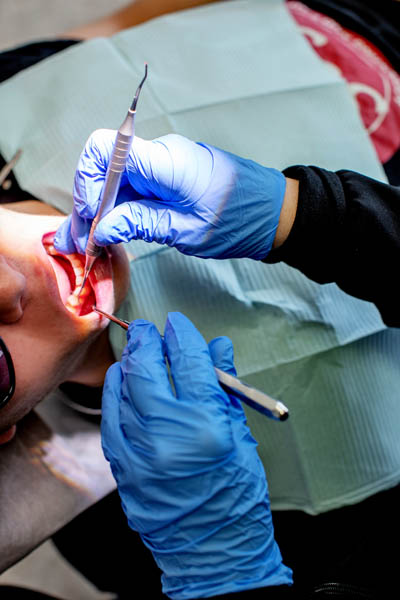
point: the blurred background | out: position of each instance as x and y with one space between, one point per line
29 20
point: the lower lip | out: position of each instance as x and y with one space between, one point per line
99 290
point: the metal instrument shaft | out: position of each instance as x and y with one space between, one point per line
274 409
115 169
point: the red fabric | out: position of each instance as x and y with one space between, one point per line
372 80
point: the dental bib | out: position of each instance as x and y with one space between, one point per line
238 75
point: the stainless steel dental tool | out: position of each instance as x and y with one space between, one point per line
116 167
274 409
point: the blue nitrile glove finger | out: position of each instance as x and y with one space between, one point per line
221 352
190 361
72 235
88 184
192 196
187 469
63 239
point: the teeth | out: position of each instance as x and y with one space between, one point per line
75 262
85 291
78 275
73 301
81 294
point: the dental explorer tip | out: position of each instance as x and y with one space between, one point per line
83 283
136 98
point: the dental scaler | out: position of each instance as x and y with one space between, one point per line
116 167
274 409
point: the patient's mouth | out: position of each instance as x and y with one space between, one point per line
69 270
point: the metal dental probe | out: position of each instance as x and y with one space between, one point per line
274 409
116 167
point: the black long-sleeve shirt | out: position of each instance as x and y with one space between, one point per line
347 231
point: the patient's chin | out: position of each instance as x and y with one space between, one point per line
7 436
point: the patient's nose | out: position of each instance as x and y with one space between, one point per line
12 286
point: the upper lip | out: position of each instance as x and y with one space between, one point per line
100 281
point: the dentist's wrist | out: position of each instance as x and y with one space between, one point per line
288 212
212 566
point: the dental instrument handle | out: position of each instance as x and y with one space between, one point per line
109 193
274 409
253 397
115 169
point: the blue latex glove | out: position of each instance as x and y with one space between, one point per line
187 468
199 199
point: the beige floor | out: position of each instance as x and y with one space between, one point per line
22 21
27 20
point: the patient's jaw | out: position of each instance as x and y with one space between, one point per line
52 338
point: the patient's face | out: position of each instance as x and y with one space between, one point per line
48 332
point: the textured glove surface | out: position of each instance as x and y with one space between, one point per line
186 465
194 197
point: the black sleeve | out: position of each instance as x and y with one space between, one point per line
280 592
16 59
347 231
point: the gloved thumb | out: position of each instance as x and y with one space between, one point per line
221 352
72 235
137 220
63 241
112 437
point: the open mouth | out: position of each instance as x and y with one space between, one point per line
69 271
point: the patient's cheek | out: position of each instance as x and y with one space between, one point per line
12 288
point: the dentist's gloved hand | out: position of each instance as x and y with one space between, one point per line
194 197
186 465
